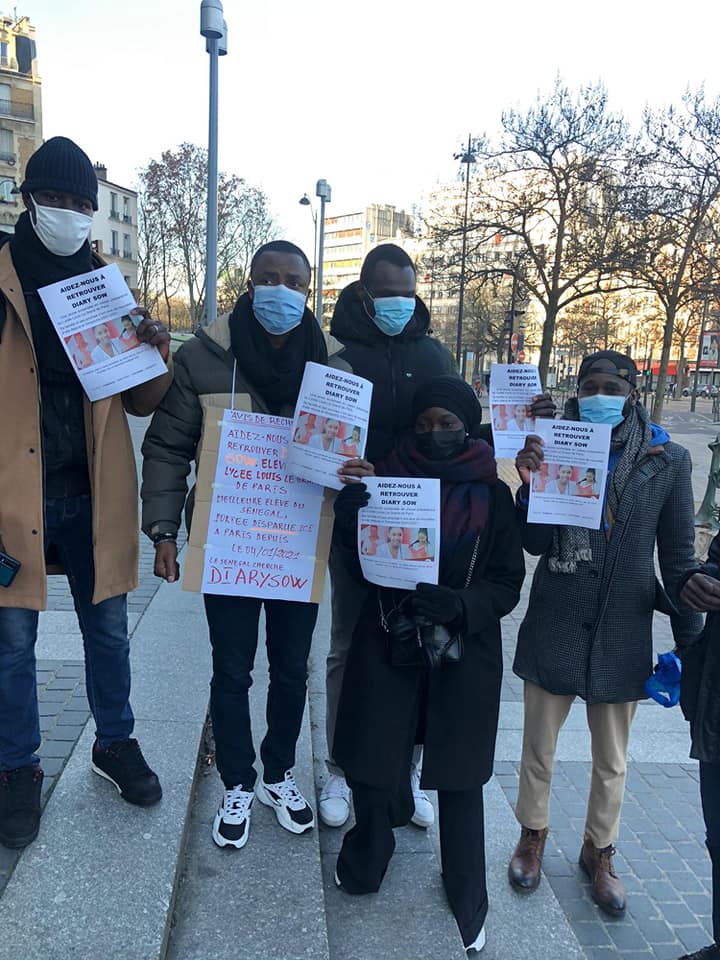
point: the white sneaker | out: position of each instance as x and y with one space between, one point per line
231 827
334 802
291 808
424 815
479 943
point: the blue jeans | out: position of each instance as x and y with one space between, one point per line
68 529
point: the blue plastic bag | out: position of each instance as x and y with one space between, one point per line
664 685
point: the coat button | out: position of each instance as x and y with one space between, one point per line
34 533
32 449
32 369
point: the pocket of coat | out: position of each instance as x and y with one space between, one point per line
663 603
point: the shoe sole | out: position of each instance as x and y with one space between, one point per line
479 944
283 818
136 803
329 822
222 841
423 824
606 908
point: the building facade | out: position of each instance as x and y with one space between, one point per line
114 229
20 112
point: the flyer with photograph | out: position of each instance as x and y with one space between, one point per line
330 425
569 489
399 531
91 314
512 387
256 530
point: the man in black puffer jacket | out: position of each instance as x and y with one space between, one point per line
384 329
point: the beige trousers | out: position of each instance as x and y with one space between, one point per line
609 724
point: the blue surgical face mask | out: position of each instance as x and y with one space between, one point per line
602 409
392 314
277 308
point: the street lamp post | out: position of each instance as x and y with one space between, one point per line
322 190
214 29
468 157
307 202
703 322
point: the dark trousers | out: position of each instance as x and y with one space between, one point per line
68 529
710 795
369 845
233 623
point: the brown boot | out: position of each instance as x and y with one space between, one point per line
524 868
606 889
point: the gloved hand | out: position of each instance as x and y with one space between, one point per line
437 604
351 498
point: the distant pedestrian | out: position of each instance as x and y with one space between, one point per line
700 701
588 628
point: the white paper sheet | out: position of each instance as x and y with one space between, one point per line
91 314
399 532
330 424
512 387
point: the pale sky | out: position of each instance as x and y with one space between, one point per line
374 96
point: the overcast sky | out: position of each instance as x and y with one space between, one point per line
375 96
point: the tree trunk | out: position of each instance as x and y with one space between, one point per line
664 359
547 340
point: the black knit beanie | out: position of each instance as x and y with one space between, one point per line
59 164
452 394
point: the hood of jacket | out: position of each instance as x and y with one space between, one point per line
350 322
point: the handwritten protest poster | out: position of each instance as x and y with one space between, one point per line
512 387
257 531
569 489
91 314
330 425
399 532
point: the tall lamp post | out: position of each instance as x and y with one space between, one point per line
468 158
307 202
322 190
214 29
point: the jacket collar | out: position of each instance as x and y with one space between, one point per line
350 322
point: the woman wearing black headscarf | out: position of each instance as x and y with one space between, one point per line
452 708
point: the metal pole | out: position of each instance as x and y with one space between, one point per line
694 388
458 345
314 216
212 203
319 272
511 325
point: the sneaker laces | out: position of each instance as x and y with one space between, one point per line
288 792
236 804
606 860
335 789
417 792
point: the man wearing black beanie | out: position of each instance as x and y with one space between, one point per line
68 494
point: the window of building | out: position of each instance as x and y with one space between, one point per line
114 206
7 146
3 53
126 209
114 247
127 248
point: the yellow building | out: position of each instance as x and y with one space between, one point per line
20 111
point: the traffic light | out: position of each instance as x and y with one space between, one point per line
647 372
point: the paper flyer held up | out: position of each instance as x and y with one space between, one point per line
260 538
399 532
512 387
91 314
330 425
569 489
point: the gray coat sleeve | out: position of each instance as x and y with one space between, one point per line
676 549
168 450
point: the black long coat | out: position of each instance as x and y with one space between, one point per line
700 684
456 707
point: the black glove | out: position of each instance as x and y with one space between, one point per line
352 497
437 604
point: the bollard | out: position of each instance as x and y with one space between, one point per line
708 512
716 408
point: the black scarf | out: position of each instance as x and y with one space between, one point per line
276 374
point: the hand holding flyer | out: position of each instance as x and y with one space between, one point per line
512 388
330 425
399 532
569 490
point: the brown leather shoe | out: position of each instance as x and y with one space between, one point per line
524 868
606 889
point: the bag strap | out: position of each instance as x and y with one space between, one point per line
473 561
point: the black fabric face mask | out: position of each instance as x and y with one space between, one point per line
441 444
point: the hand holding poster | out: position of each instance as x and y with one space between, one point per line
512 388
256 529
91 314
569 490
330 425
399 532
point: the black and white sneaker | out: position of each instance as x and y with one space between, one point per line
291 808
123 764
231 827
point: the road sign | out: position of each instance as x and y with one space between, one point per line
521 357
514 343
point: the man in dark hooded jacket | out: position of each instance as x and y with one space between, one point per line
383 327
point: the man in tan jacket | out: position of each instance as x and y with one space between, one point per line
68 494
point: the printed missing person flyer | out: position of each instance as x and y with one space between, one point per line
91 313
399 532
330 424
569 489
512 387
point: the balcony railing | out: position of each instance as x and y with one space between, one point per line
115 251
22 111
114 215
8 63
127 218
6 157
